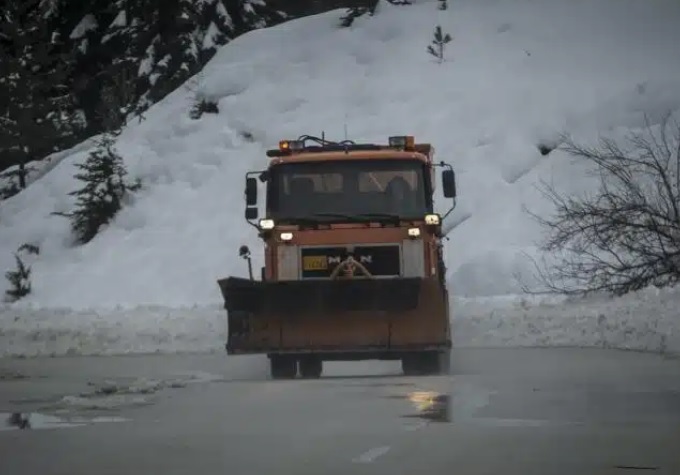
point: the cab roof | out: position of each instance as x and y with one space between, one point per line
399 148
298 157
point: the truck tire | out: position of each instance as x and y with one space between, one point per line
417 364
311 367
282 367
444 362
426 363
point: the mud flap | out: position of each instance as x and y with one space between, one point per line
297 297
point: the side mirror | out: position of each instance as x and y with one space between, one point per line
251 191
449 183
244 252
251 213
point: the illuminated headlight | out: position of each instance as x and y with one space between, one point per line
286 236
414 232
432 219
267 224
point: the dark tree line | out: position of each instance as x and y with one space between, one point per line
62 61
59 59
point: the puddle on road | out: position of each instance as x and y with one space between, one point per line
431 406
11 375
35 420
383 385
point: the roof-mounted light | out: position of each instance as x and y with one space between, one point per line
291 145
405 142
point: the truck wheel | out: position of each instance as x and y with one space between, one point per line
282 367
311 367
426 363
437 362
413 364
445 362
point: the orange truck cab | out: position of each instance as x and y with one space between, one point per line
353 254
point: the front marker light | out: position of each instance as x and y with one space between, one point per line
267 224
432 219
414 232
286 236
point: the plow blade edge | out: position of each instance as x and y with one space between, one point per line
318 296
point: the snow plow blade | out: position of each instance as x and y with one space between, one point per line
296 297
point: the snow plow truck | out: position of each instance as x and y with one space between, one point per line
353 259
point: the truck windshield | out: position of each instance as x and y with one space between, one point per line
350 189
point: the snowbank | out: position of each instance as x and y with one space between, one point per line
514 77
647 321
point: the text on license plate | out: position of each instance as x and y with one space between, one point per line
314 263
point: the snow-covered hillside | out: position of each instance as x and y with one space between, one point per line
516 74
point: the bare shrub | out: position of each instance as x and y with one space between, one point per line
626 236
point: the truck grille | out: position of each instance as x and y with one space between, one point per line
379 260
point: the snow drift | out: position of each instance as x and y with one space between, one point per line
513 78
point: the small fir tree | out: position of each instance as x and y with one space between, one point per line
439 41
203 106
103 192
20 278
10 182
353 13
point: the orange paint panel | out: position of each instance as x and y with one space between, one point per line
340 331
346 331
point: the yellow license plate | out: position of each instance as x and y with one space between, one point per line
314 263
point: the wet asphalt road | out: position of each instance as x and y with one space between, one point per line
509 411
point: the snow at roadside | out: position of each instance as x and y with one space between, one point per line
645 320
514 76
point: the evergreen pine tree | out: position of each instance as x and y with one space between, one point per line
363 7
20 278
10 181
353 13
104 189
37 113
439 41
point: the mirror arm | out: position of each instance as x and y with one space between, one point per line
450 210
453 206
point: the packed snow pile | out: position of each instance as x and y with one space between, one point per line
645 320
513 78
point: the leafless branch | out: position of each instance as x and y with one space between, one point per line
627 235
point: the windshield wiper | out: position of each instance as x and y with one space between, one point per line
360 217
339 215
388 216
299 220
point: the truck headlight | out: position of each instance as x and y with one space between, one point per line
432 219
286 236
414 232
267 224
